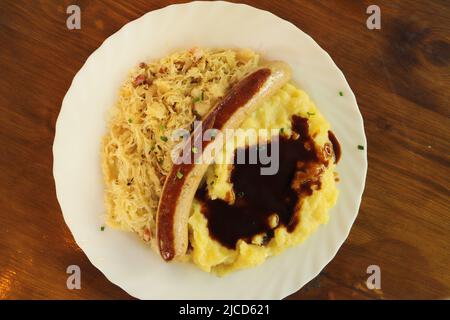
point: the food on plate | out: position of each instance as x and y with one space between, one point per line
221 215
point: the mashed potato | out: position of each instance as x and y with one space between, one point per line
212 256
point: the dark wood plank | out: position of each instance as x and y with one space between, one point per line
400 75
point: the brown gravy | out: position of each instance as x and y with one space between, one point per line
336 146
258 196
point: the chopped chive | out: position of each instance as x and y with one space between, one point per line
130 120
310 114
102 228
194 150
360 147
341 93
179 174
164 138
281 130
162 127
197 99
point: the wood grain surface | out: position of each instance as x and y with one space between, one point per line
401 78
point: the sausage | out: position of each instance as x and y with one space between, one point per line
183 180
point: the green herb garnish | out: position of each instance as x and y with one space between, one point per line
162 127
240 194
102 228
164 138
341 93
130 120
194 150
179 174
310 114
360 147
198 99
282 131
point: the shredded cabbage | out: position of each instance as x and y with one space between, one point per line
157 98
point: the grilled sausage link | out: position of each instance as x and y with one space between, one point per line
183 180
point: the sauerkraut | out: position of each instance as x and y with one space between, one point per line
157 98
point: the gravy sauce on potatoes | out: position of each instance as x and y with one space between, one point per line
223 242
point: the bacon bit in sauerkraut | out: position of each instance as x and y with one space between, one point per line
139 80
197 54
179 65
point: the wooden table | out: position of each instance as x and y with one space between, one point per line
400 75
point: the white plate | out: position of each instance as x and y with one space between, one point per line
82 123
